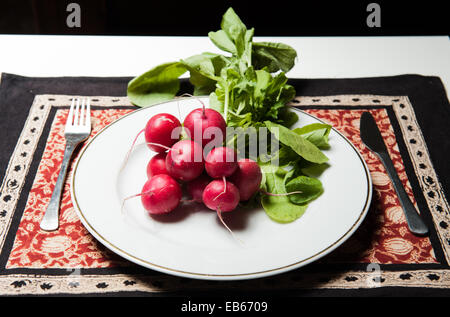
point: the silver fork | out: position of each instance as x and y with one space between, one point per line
78 128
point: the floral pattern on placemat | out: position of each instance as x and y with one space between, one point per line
71 245
382 238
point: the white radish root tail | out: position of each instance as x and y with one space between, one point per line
219 214
125 161
122 209
157 144
192 96
224 188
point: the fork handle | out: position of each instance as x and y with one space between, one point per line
50 221
415 222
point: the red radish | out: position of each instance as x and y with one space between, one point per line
221 162
221 196
196 187
184 161
157 165
158 134
199 120
161 194
247 178
158 131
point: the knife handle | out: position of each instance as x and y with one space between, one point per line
415 222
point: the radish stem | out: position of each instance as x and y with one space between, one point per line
225 108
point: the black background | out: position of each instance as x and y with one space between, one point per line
196 18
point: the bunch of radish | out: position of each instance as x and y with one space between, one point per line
216 178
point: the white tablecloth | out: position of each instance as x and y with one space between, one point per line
319 57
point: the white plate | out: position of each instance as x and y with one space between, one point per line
192 242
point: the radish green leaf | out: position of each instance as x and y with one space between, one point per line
296 142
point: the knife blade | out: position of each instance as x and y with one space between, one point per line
371 137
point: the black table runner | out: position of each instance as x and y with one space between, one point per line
426 96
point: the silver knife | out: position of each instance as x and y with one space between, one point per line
371 136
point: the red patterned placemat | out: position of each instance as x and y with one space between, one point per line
73 247
382 252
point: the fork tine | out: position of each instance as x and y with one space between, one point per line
70 116
76 114
82 119
88 113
